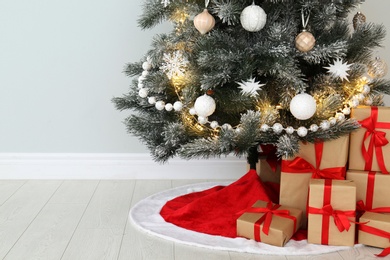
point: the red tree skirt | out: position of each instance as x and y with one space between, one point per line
214 211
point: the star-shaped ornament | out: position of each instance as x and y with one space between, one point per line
250 87
339 69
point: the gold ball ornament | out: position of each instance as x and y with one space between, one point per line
358 20
305 41
377 68
204 22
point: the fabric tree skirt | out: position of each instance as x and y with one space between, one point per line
145 215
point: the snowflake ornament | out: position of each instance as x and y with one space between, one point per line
339 69
250 87
174 64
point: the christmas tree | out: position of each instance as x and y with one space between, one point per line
234 74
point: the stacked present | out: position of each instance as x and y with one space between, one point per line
317 183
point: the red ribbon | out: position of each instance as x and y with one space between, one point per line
377 232
377 140
363 208
300 165
269 211
340 217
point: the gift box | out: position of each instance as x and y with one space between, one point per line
369 148
269 223
331 212
375 230
268 166
317 160
371 190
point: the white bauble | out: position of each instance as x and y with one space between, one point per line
340 116
264 127
178 106
160 105
146 65
214 124
143 92
192 111
204 106
303 106
290 130
366 89
168 107
314 128
227 126
202 120
325 125
346 111
302 131
278 128
332 120
152 100
253 18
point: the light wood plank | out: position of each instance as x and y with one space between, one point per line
75 191
9 187
49 234
110 205
246 256
195 253
145 188
333 256
358 253
136 244
93 244
19 211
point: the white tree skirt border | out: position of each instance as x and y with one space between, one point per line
145 215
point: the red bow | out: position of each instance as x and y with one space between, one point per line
377 140
340 217
269 150
300 165
377 232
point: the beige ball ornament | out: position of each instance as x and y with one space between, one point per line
204 22
305 41
253 18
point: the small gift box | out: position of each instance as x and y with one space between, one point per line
374 230
369 148
269 223
318 160
371 190
331 212
268 164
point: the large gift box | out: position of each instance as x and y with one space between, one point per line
374 230
326 160
331 212
369 148
371 190
269 223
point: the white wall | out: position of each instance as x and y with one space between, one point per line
61 63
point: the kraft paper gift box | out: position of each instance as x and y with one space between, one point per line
331 212
376 154
268 165
375 231
284 222
372 190
327 161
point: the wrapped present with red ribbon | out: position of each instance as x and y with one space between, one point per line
269 223
375 231
331 212
321 160
369 147
268 166
370 189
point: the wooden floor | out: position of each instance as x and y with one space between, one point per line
88 219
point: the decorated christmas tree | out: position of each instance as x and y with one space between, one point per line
234 74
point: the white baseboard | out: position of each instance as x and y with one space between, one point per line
115 166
